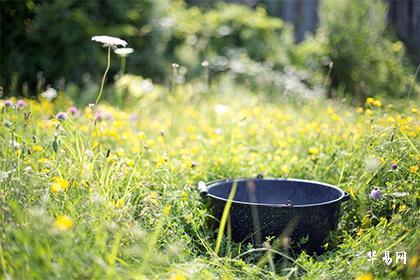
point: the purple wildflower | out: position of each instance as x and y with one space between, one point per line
20 103
133 117
8 103
62 116
109 116
74 111
394 165
375 194
99 116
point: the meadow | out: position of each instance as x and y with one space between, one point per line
110 192
103 146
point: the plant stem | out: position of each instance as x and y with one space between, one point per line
103 79
122 67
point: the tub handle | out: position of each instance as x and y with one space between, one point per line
202 188
346 196
259 176
288 204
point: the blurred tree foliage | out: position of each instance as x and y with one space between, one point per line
366 59
54 37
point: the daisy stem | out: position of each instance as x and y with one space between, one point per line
103 79
122 65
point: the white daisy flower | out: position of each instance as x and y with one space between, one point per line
49 94
123 52
109 41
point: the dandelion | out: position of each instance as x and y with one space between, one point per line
414 169
375 194
63 223
62 116
49 94
20 103
109 42
8 103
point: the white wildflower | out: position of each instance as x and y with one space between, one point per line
372 163
109 41
123 52
220 108
49 94
147 86
205 63
400 194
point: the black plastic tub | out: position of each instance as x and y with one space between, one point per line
303 211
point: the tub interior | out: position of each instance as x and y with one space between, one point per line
276 191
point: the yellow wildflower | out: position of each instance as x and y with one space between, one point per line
313 150
63 223
130 162
141 135
153 197
366 220
414 169
178 276
366 276
55 188
402 208
370 100
185 196
377 103
119 203
167 210
37 148
59 184
43 160
412 263
335 117
414 110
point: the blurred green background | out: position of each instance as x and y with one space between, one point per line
352 51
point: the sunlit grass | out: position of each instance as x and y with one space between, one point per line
120 200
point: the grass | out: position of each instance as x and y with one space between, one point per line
119 199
